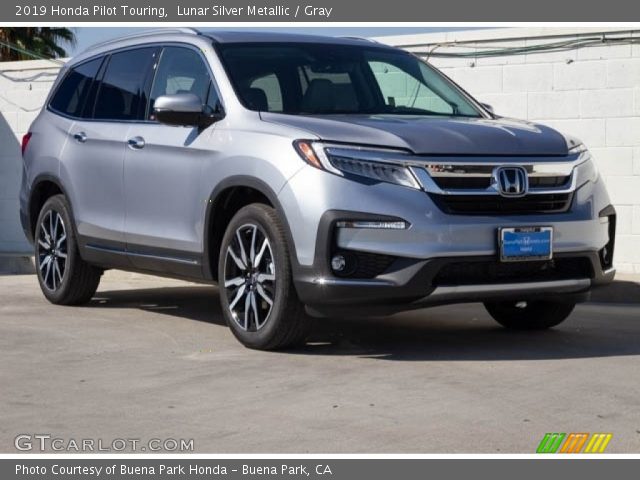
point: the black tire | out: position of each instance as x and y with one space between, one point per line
244 292
65 279
529 315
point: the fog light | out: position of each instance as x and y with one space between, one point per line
338 263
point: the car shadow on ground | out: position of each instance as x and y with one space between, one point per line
459 332
199 303
620 291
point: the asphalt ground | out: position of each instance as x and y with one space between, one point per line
151 358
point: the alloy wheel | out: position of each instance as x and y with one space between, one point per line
249 277
52 250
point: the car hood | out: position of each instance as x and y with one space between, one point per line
432 135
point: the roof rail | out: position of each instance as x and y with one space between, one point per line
145 33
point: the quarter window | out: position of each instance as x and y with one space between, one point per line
72 93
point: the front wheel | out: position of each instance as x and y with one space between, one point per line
529 315
258 298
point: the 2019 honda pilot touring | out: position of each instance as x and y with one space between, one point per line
306 176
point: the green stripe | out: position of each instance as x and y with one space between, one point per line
543 443
559 440
550 443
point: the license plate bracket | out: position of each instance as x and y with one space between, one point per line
522 244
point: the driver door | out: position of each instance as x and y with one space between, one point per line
162 172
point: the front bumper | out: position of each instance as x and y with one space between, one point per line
435 240
411 284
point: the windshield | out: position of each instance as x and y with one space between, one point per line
321 79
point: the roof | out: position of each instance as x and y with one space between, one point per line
226 36
220 37
276 37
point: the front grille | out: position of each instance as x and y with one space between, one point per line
496 205
487 272
469 182
548 182
463 182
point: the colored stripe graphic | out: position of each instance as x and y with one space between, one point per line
598 443
574 443
550 443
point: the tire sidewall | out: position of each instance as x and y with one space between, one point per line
257 215
58 204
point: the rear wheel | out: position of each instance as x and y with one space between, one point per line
65 279
258 298
529 315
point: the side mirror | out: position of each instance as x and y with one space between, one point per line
488 107
185 109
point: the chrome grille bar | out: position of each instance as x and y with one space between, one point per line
429 175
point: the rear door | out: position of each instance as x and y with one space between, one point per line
89 174
94 156
162 172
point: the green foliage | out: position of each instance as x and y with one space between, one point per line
41 42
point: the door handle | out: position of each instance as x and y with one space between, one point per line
136 142
80 137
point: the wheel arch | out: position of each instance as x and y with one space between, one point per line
44 187
225 200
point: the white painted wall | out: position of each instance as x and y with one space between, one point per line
23 89
592 93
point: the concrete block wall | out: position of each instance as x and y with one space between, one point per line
23 89
591 92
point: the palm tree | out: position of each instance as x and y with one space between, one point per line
27 43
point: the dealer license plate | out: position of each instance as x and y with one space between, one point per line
525 243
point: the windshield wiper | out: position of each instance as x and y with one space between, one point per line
417 111
454 107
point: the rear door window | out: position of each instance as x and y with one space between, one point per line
122 94
71 95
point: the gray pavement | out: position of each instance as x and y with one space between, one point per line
151 358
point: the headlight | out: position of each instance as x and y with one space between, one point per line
576 149
381 165
586 170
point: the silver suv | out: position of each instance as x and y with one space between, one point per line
306 176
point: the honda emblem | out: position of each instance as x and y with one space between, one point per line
511 181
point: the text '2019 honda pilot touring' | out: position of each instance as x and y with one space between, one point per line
306 176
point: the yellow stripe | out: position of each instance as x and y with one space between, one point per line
607 439
590 444
596 445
